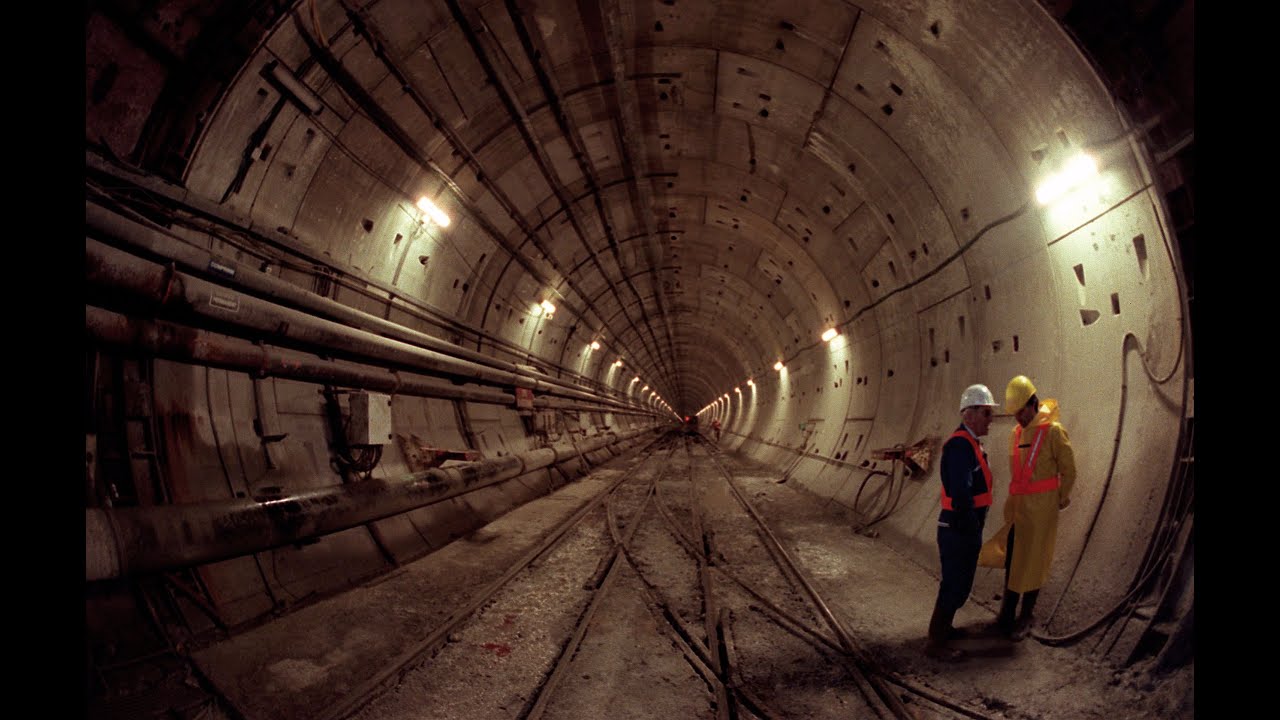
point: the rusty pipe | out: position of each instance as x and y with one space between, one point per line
185 344
140 237
123 541
116 270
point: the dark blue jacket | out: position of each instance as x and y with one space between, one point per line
963 479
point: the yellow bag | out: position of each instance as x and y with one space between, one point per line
993 551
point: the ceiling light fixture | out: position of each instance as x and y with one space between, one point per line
437 215
1077 170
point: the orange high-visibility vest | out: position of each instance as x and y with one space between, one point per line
1021 484
984 499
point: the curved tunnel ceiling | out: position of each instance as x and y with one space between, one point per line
704 188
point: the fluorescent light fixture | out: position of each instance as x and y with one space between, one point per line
618 363
547 307
738 390
828 334
751 382
437 215
777 365
595 345
1077 170
646 387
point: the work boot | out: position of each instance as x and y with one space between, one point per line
939 633
1005 622
1025 619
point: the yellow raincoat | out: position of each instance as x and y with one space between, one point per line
1035 516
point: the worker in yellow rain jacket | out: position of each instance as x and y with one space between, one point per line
1042 472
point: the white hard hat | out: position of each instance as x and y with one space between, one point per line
976 395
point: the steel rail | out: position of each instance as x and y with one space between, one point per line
360 696
849 661
787 621
570 649
882 699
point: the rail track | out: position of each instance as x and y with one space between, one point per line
665 593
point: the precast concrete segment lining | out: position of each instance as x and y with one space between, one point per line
749 329
712 363
1029 63
929 116
1013 79
368 104
642 195
482 46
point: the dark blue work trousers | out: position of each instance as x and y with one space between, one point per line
958 550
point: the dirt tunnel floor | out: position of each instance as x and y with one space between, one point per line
636 657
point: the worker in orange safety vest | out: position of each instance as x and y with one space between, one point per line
1042 471
966 495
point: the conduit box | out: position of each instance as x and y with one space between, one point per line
370 422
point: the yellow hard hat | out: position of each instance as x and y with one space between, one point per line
1017 393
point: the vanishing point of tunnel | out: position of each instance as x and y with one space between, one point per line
596 359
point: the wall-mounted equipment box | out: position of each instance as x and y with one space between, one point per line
370 422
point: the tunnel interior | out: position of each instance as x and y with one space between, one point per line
331 245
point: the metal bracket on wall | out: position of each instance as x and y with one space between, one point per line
915 458
420 455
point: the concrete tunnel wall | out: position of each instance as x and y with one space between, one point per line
875 175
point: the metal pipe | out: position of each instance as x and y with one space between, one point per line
186 344
140 237
296 88
280 239
107 267
156 538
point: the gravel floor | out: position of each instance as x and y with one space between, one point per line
633 661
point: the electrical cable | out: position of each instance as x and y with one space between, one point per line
857 498
1163 533
1015 214
1158 542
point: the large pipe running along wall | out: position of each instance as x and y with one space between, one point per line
181 200
133 540
185 344
116 270
140 237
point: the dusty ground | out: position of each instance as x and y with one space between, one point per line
886 599
650 606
